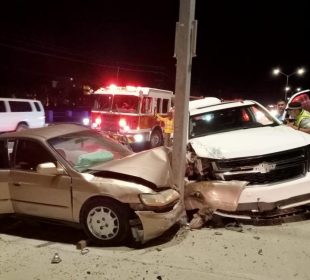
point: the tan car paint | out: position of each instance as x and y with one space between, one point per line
152 165
61 196
123 191
223 195
154 224
6 205
48 196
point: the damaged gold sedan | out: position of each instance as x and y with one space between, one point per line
69 173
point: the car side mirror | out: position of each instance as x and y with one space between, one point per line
49 168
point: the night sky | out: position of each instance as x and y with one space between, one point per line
132 42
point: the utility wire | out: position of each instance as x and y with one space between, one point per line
65 51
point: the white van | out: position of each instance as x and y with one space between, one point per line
18 114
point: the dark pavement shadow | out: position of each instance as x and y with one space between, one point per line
58 233
41 231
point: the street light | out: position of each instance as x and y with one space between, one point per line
278 71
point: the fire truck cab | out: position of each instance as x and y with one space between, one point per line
130 113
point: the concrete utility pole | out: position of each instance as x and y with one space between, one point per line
185 49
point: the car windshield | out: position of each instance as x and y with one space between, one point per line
85 149
229 119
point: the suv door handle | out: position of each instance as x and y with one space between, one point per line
16 184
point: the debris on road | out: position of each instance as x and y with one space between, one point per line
201 217
234 227
84 251
56 258
81 244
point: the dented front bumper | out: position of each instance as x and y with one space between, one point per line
155 224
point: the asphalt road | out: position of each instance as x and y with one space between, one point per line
252 252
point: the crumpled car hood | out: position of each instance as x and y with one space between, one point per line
151 165
249 142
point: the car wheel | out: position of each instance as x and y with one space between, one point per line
105 221
21 127
156 139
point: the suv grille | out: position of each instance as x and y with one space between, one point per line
263 169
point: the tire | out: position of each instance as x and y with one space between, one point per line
22 126
156 139
105 221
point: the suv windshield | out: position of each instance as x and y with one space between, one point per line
86 149
229 119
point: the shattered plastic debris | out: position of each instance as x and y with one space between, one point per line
197 222
260 252
84 251
200 218
234 227
56 258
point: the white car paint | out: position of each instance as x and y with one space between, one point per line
255 142
249 142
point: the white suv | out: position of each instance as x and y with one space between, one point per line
241 140
18 114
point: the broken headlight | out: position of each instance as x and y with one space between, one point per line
160 199
196 168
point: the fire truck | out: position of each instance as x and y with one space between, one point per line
128 114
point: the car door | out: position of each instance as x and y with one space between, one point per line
36 194
303 97
5 196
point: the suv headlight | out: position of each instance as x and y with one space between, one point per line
159 199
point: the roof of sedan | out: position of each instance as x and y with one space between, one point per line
47 132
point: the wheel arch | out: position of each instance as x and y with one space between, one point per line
120 230
100 197
21 123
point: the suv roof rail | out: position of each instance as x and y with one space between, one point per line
205 102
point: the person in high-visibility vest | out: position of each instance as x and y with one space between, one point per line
301 117
168 127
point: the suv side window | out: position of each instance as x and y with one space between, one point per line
20 106
29 154
38 108
2 107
